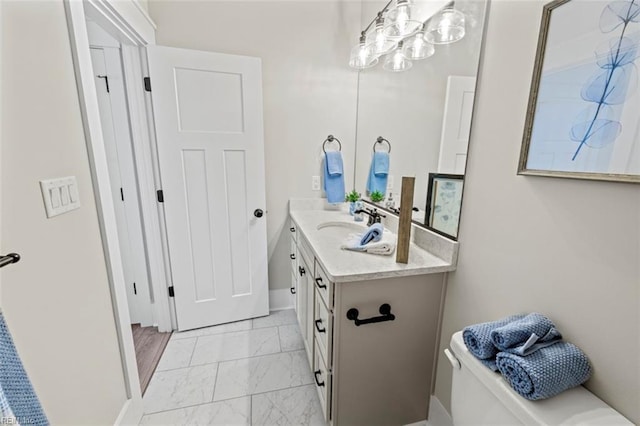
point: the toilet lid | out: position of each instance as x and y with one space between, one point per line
572 407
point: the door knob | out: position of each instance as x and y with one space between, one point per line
258 213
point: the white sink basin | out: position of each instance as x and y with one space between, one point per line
344 226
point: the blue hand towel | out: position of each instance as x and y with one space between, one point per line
373 234
334 177
378 172
526 335
547 372
477 337
18 400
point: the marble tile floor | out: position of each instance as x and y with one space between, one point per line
252 372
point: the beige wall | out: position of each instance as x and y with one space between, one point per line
309 91
566 248
56 300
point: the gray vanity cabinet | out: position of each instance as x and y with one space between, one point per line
302 288
373 371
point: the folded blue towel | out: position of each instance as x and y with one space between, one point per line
334 177
477 337
18 400
526 335
378 172
547 372
373 234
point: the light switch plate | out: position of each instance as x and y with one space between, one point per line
315 183
60 195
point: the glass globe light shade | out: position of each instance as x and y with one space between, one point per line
447 26
381 43
362 55
399 22
416 47
396 61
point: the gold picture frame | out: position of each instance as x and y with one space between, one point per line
571 114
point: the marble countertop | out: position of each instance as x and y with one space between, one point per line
347 266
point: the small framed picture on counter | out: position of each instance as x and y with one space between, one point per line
444 197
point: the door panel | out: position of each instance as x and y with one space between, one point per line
456 124
208 114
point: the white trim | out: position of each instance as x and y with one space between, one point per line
123 17
280 299
438 415
147 184
133 27
130 414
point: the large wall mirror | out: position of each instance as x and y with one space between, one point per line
423 114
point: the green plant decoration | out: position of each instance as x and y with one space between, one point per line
376 196
352 196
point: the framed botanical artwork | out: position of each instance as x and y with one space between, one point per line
583 119
444 198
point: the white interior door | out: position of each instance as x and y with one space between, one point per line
117 139
456 124
208 117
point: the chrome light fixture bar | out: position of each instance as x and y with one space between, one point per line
403 38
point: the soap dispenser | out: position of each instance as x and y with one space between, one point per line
390 203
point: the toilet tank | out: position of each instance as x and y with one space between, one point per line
480 396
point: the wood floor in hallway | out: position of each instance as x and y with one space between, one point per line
149 344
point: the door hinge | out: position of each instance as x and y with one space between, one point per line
171 293
147 84
122 194
160 196
135 290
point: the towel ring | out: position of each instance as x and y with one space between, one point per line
330 139
380 140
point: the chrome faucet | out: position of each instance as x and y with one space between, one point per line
374 216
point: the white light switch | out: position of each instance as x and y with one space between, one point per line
315 183
60 195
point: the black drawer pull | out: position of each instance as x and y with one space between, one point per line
292 229
292 256
385 310
315 374
320 330
293 290
319 282
301 270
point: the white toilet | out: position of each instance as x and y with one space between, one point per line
481 397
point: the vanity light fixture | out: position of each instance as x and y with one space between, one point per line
447 26
396 61
403 38
362 55
416 47
401 23
381 43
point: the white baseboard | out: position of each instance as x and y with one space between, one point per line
280 299
438 415
131 413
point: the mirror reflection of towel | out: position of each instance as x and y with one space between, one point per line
378 172
334 177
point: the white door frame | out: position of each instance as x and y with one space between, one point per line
131 25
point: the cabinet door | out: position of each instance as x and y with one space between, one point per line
301 296
294 289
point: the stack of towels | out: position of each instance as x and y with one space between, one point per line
530 354
371 241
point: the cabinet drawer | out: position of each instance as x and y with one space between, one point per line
304 250
323 327
322 377
293 229
324 286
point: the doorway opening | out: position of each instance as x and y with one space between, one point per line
107 63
